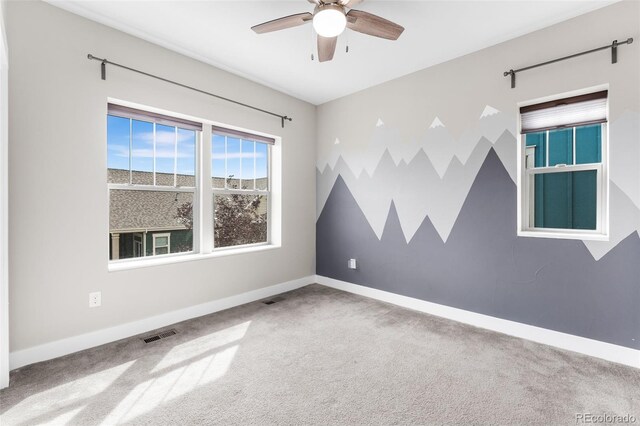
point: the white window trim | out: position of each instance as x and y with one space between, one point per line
203 191
149 261
601 233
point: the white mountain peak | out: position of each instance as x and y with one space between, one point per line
488 111
380 123
436 123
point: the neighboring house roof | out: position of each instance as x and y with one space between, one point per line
145 210
137 210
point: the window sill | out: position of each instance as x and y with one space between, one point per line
124 265
564 235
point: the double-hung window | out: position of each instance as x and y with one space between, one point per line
171 193
563 179
151 164
240 164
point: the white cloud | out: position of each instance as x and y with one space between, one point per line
234 155
121 151
164 152
162 137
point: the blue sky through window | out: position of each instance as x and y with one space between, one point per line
248 160
233 157
248 154
117 143
186 152
218 156
141 147
165 149
262 159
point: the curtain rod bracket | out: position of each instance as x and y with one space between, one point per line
512 73
284 117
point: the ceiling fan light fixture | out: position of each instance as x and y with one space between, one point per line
329 20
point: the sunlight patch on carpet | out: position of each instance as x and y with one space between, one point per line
150 394
193 348
40 404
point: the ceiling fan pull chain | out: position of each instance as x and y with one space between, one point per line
346 34
312 43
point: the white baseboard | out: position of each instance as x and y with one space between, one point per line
595 348
69 345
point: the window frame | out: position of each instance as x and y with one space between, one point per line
202 209
524 226
155 246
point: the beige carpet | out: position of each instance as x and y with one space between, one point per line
320 356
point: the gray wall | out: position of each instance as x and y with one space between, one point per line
429 210
58 180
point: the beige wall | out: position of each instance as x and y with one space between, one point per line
58 198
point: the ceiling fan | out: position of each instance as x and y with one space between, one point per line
330 19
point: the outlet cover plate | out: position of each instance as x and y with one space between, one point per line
95 299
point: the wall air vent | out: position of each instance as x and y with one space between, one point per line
159 336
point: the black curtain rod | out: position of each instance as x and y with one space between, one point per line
614 58
103 74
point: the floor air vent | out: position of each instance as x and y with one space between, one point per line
272 301
159 336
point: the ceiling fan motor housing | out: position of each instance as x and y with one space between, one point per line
329 20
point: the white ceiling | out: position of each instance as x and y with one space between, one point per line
218 33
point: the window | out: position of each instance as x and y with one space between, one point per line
161 204
151 162
563 174
161 243
240 184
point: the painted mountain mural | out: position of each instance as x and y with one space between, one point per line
430 176
400 182
476 262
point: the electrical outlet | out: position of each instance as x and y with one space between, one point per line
351 264
95 299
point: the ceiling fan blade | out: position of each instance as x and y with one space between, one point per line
326 48
283 23
370 24
349 3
